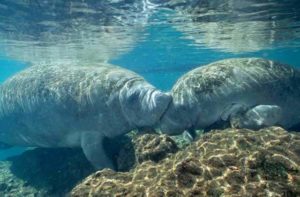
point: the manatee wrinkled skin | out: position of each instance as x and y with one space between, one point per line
60 106
242 92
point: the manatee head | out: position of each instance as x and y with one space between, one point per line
175 120
142 104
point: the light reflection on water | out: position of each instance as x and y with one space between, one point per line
69 31
238 25
89 32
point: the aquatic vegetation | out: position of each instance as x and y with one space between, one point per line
214 165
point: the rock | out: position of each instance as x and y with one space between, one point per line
136 148
185 139
43 172
54 172
230 162
154 147
11 185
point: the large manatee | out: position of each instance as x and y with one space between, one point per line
245 92
60 106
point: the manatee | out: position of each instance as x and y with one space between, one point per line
72 106
241 92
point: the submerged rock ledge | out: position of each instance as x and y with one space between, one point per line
54 172
232 162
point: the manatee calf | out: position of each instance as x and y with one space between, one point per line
245 92
60 106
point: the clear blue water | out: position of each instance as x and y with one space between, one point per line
162 64
161 54
160 43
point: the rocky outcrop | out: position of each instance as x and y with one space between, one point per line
232 162
135 148
43 172
54 172
153 147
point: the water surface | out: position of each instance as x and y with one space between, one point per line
160 40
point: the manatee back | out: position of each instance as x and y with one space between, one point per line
45 86
235 76
45 101
204 93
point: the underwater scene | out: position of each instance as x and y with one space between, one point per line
149 98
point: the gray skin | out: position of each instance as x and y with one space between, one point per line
244 93
60 106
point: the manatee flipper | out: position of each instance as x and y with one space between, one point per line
257 117
93 148
225 117
234 108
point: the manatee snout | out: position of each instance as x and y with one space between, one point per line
173 121
159 103
153 106
144 105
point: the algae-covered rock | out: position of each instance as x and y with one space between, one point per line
231 162
154 147
43 172
136 148
54 172
186 138
10 185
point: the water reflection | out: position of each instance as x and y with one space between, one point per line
70 31
87 32
237 25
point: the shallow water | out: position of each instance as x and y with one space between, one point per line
175 35
160 40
